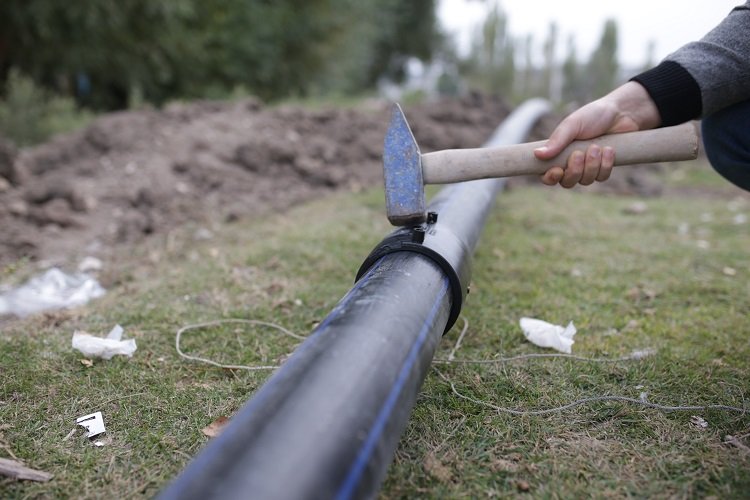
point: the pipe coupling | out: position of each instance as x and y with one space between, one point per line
440 245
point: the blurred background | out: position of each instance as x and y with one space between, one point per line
62 63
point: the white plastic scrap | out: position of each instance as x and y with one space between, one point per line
545 334
699 422
105 348
52 290
94 424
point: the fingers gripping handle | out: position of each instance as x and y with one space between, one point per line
648 146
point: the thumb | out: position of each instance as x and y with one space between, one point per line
563 135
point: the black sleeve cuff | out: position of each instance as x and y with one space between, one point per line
674 91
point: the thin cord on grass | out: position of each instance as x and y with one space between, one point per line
634 356
457 345
583 401
637 355
451 360
218 322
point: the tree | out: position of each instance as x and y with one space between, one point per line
573 86
602 68
103 50
493 55
549 70
528 86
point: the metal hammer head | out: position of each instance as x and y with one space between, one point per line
402 172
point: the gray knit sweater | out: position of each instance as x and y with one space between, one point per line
704 76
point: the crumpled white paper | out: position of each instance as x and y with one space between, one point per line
52 290
545 334
105 348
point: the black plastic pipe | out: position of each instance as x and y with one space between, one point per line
327 423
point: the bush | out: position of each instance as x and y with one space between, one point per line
30 115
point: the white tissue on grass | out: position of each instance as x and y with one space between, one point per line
52 290
104 348
545 334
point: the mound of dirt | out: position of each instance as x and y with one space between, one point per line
136 174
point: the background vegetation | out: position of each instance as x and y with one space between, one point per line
59 58
107 53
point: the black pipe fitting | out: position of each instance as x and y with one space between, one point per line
439 244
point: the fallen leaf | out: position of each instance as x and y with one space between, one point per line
523 485
17 470
87 362
214 428
437 469
503 465
638 293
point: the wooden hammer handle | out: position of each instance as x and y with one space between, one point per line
648 146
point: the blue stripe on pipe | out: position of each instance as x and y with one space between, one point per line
215 448
365 452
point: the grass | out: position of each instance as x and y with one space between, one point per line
30 115
672 279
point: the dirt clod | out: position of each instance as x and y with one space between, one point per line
134 174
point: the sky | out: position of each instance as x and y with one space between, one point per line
669 23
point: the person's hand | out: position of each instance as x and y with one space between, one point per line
626 109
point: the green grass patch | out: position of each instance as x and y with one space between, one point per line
673 278
30 115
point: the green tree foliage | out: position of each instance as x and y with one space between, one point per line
29 114
550 63
493 59
574 85
104 50
602 68
115 44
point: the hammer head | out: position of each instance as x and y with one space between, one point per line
402 172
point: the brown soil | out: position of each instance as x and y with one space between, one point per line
136 174
139 174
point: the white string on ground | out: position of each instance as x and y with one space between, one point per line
583 401
219 322
636 355
457 345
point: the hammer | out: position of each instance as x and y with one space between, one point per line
406 170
